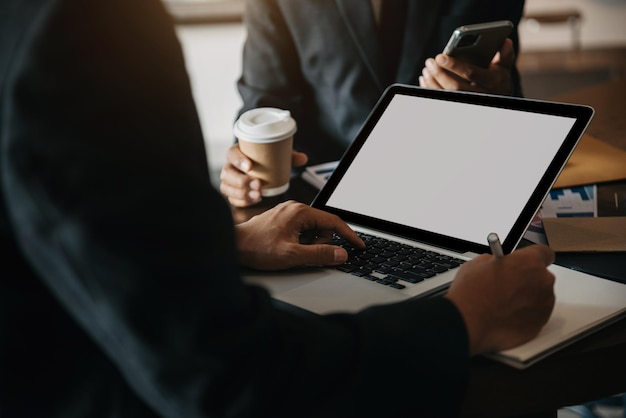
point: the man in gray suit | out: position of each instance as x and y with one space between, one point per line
328 62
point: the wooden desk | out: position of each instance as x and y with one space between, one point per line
590 369
609 101
608 125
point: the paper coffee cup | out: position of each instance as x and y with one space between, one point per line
265 136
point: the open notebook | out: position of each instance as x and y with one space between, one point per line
430 174
584 304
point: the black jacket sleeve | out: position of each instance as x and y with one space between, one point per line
108 200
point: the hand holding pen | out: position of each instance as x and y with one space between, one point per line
519 287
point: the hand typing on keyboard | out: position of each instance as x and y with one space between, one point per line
293 234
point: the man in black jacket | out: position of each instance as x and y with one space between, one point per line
120 294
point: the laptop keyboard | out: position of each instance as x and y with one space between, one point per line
392 263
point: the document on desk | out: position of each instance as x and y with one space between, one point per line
588 218
584 304
317 175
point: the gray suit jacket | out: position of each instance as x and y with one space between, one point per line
323 59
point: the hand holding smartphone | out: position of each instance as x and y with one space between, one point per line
477 44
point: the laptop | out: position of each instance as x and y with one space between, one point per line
428 177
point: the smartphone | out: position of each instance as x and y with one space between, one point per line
477 44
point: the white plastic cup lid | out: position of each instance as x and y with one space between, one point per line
265 124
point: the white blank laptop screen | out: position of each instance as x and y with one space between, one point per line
436 165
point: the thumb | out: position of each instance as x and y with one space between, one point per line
506 55
321 255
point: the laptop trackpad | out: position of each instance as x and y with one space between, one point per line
340 292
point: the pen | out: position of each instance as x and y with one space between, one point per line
494 244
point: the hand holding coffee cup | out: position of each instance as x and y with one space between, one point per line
265 135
